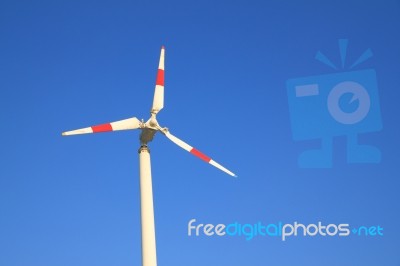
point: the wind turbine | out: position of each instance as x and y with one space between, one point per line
149 129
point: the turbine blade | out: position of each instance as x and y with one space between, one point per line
158 101
196 152
126 124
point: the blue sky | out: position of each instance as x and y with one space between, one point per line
75 201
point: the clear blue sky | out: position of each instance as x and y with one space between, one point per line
75 201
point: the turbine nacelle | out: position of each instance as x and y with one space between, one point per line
149 129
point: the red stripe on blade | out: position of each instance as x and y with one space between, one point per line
102 128
160 77
200 155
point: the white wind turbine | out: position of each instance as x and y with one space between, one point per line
149 129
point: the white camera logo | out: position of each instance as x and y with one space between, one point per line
317 106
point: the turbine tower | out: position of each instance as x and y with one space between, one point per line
149 129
